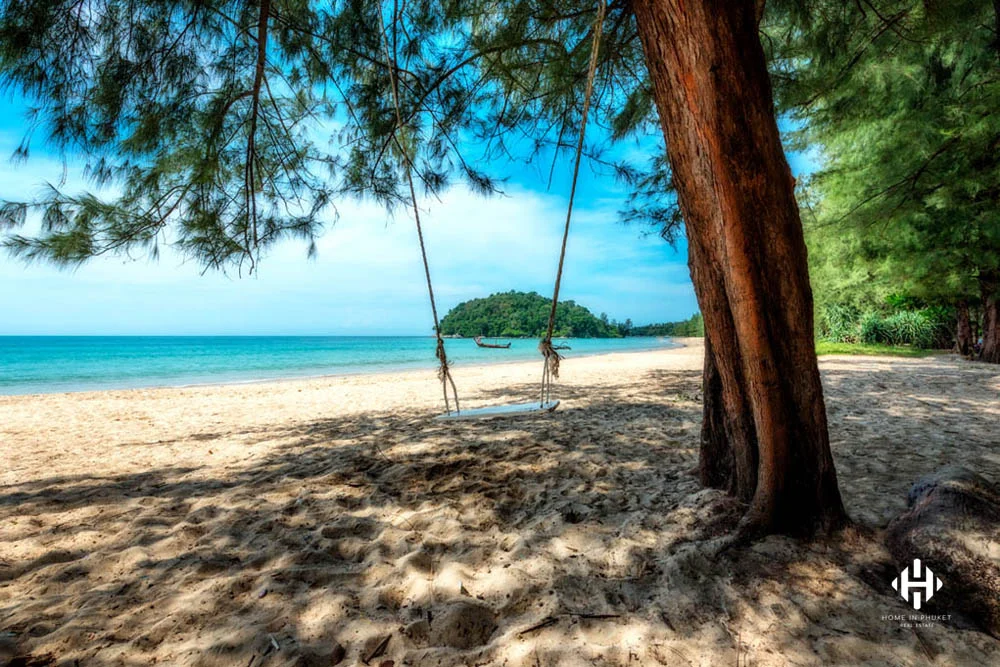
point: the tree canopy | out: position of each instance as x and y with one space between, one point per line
221 127
525 314
900 98
522 314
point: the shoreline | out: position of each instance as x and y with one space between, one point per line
671 344
168 423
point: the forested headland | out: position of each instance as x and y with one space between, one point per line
525 315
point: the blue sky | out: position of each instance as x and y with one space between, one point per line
367 277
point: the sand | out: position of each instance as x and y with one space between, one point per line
303 522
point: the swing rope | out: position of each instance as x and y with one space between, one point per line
444 368
550 368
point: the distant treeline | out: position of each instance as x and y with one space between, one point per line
525 315
694 326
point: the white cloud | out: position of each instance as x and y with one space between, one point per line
367 278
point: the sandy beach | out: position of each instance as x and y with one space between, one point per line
332 521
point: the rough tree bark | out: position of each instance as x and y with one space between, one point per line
989 281
727 458
963 329
989 284
765 434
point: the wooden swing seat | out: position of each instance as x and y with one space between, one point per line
495 411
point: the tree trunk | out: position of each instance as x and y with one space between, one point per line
989 284
765 434
996 20
963 330
727 458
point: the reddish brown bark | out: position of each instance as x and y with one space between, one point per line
989 284
765 416
963 329
727 458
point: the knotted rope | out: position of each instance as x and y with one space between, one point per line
444 368
550 369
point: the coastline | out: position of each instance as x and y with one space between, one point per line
676 344
167 423
348 371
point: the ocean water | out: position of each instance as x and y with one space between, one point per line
45 364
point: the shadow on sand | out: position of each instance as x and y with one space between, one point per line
584 533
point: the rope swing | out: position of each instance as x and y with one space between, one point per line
551 357
549 352
444 369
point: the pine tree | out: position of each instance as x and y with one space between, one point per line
214 118
901 95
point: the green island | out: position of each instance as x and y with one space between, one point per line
525 315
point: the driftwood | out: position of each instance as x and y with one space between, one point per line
378 650
553 619
952 524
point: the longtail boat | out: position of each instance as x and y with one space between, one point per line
496 346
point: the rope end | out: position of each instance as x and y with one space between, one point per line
552 357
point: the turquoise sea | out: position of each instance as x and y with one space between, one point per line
44 364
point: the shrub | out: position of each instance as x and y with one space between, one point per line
839 324
928 328
942 319
909 327
873 329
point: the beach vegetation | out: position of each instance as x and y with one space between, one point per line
897 102
693 327
926 328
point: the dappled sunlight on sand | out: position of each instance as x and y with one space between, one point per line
272 524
